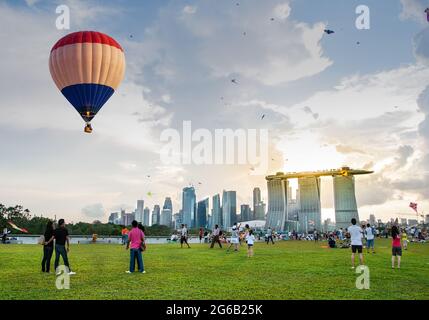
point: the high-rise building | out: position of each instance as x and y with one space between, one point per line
128 218
202 213
277 204
260 210
229 208
189 206
403 222
113 218
216 211
310 214
156 216
372 220
168 204
292 210
166 217
146 216
256 198
345 200
245 214
139 211
177 220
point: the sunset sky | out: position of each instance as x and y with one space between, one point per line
356 97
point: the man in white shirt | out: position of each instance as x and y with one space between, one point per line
369 232
184 236
356 239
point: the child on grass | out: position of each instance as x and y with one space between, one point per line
396 247
250 238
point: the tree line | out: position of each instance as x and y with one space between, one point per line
36 225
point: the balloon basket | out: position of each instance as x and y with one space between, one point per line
88 128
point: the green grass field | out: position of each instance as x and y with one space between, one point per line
287 270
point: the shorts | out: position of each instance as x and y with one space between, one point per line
249 246
370 243
357 248
182 239
397 251
234 240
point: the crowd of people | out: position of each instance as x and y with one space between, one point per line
355 237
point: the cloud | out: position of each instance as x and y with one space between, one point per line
271 52
190 9
348 149
414 10
308 110
94 211
31 3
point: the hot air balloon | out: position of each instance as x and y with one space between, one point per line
87 67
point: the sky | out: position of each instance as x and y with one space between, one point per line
356 97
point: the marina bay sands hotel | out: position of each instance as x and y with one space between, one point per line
304 213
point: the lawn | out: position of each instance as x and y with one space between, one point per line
287 270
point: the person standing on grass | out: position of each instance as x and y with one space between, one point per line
143 245
270 235
201 234
134 243
250 239
356 241
215 237
234 238
62 238
48 247
370 235
184 236
316 236
404 238
396 247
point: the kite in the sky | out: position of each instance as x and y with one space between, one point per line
263 116
17 228
427 14
272 19
328 31
234 81
413 206
87 67
149 194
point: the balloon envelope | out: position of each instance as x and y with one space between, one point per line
87 67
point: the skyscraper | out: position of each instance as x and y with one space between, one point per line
256 198
216 211
245 213
166 217
259 212
139 211
229 208
310 214
189 206
168 204
146 216
277 203
156 219
202 213
372 220
113 217
345 201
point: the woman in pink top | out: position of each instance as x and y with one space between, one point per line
135 240
396 247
